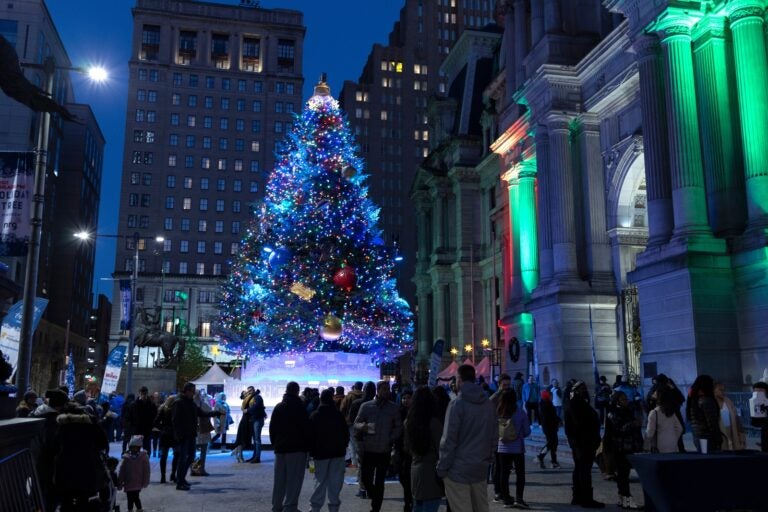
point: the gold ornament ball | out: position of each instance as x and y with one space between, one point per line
331 329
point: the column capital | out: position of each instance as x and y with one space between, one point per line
741 10
711 27
511 175
557 122
527 169
673 24
646 47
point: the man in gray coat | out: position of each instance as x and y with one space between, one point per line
470 436
380 424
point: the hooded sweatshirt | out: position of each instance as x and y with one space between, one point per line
470 436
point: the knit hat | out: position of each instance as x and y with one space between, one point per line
137 441
56 397
80 397
546 395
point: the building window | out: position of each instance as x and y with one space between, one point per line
235 227
182 267
203 183
192 100
219 205
258 86
202 225
254 187
210 82
147 179
207 142
255 146
170 181
168 223
222 164
237 185
251 54
169 202
167 245
201 247
174 119
235 206
224 104
187 182
177 79
224 123
219 226
189 161
184 246
191 121
208 102
216 269
221 185
186 203
226 84
185 223
132 221
150 137
135 178
239 145
220 50
238 165
256 106
190 141
133 199
279 107
139 115
285 55
145 200
240 125
207 122
141 94
151 116
150 42
203 204
205 162
223 143
142 74
152 96
200 269
233 248
217 247
240 105
193 80
187 47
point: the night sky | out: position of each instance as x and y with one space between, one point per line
340 34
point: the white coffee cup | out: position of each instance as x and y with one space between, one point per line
703 445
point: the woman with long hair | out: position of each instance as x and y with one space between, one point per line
664 428
422 440
703 414
442 400
734 437
511 450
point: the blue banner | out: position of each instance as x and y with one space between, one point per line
112 370
436 359
11 329
125 304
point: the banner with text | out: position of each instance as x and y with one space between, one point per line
10 333
112 371
17 181
437 357
125 304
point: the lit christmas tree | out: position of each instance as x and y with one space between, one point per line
313 273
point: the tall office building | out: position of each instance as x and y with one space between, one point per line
387 110
212 92
73 184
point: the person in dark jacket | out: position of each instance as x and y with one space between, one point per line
164 423
125 423
79 471
141 415
704 414
56 402
582 427
257 413
380 423
329 437
368 393
622 433
550 424
421 439
27 405
289 433
185 416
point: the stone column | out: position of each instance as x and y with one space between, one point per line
513 185
553 19
544 228
438 218
561 206
721 143
689 203
235 41
598 245
521 47
749 50
537 21
655 140
529 247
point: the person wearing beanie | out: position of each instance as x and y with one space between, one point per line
289 432
582 427
550 424
28 405
134 472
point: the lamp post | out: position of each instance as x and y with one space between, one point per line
131 311
36 221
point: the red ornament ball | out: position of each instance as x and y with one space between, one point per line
345 278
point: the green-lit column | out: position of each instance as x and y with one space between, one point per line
527 229
689 203
513 184
746 19
655 139
720 138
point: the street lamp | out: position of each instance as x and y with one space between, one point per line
84 235
49 67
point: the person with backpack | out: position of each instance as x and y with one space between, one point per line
550 424
514 426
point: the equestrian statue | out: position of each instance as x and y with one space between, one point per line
149 333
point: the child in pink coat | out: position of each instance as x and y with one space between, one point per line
134 472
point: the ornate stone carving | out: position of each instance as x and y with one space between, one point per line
746 12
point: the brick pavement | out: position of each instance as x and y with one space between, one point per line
235 487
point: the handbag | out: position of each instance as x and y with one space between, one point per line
507 431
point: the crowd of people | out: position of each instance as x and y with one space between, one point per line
441 442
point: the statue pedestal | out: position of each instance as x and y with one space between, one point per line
156 379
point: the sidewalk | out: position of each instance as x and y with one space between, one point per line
234 487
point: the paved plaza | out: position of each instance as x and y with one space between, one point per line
236 487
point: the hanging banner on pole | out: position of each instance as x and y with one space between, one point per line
437 357
125 304
17 181
11 329
112 370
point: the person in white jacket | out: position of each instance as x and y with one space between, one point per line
664 429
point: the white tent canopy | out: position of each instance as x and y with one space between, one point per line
214 375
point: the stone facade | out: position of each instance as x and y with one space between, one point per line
628 146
